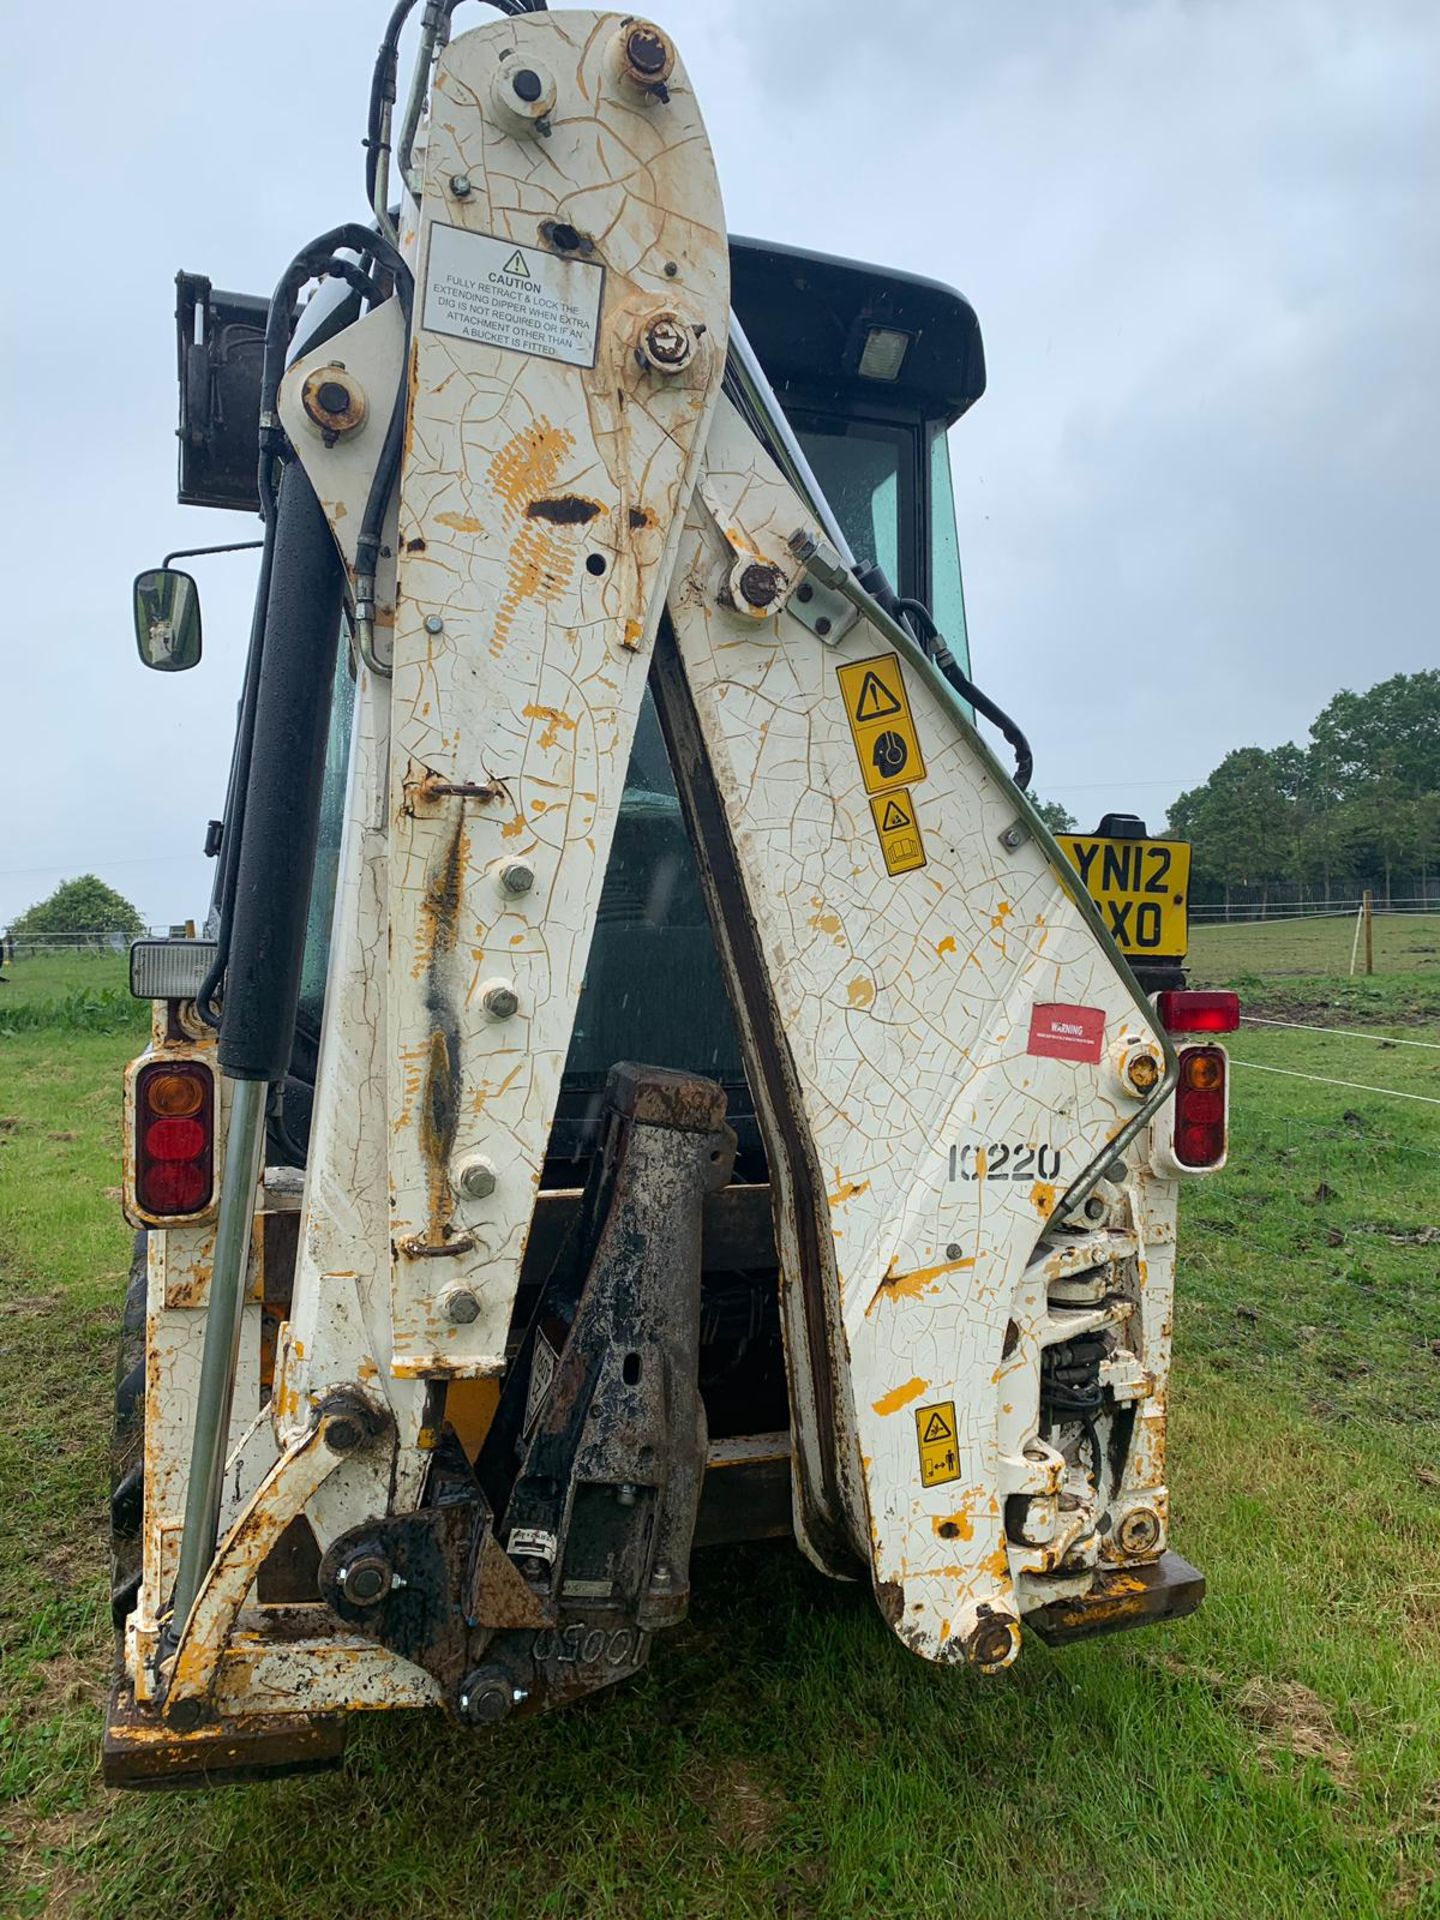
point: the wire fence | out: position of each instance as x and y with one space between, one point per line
25 946
1209 913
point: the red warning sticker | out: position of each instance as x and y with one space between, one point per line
1067 1033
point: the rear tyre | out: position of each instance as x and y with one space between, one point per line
127 1446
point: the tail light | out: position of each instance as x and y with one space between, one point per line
174 1138
1200 1107
1184 1011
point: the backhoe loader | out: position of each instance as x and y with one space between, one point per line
649 1079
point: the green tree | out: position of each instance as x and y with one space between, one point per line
1239 822
1387 738
83 906
1052 813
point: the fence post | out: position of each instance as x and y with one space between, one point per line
1367 908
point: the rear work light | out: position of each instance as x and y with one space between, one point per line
1187 1012
174 1137
1200 1107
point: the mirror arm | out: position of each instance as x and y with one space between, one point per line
190 553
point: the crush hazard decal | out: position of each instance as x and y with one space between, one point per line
1066 1033
478 287
935 1435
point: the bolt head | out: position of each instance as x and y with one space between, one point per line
475 1178
366 1579
460 185
433 623
485 1696
344 1433
517 877
994 1643
527 85
1139 1531
666 341
462 1306
759 584
500 1000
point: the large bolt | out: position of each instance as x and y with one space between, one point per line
186 1715
1139 1531
994 1643
366 1579
333 399
433 623
485 1696
760 584
666 341
647 59
517 877
646 51
461 1306
527 85
499 999
460 185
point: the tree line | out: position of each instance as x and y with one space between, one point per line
1356 807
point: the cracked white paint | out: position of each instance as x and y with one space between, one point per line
539 506
904 1007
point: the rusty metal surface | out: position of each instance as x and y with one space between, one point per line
140 1750
1137 1596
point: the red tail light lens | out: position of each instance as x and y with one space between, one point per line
174 1138
1200 1107
1182 1011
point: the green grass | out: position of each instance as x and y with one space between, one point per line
1405 944
1276 1755
74 992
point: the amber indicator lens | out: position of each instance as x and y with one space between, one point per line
1205 1070
176 1095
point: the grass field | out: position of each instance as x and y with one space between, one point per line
1276 1755
1404 944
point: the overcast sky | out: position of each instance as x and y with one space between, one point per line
1201 494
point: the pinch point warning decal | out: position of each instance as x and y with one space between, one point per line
479 287
1066 1033
899 831
939 1452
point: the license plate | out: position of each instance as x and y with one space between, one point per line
1141 888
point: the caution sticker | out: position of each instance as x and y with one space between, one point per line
878 709
939 1453
899 831
479 287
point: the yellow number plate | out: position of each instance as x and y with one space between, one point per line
1140 886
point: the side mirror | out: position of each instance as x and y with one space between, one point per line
167 620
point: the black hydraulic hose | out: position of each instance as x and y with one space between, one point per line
930 638
318 260
234 812
382 81
276 859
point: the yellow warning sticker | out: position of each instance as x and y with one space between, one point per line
939 1453
899 831
878 709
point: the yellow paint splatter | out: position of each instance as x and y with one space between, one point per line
947 945
862 991
899 1397
909 1286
